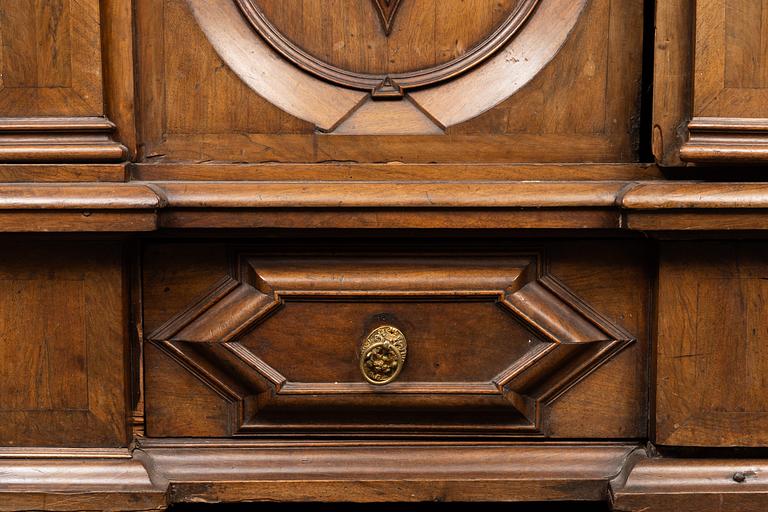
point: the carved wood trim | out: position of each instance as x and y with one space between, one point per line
204 337
394 84
387 10
718 140
48 139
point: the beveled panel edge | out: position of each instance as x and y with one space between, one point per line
264 70
390 85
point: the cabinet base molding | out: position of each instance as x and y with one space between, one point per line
160 473
688 485
383 472
68 480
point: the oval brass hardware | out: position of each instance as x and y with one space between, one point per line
382 355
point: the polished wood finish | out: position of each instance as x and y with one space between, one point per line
672 78
688 485
176 129
711 79
710 389
51 93
87 207
264 339
62 317
207 207
405 473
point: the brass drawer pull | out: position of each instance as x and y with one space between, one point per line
382 355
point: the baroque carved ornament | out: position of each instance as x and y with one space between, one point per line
388 85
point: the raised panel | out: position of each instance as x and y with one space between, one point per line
62 343
48 51
730 84
214 88
51 89
712 338
493 344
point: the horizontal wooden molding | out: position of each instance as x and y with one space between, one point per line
715 140
203 471
393 171
424 204
59 139
661 484
161 472
78 207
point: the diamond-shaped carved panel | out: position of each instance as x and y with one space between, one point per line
491 343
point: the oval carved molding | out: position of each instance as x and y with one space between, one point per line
427 100
388 85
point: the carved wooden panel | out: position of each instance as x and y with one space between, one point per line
453 38
298 81
62 317
712 357
730 88
274 348
51 99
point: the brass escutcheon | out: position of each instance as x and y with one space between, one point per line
382 355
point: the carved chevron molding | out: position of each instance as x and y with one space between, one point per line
387 10
568 339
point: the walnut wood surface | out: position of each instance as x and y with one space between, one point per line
63 343
198 232
256 340
656 485
646 206
599 64
730 90
710 392
673 78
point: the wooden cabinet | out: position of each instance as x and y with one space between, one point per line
383 251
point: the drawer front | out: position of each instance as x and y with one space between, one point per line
374 344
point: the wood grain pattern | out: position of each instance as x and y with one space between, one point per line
76 481
62 347
711 334
673 78
195 123
730 91
688 485
65 173
343 474
452 39
392 172
58 139
263 336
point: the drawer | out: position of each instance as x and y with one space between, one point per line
364 343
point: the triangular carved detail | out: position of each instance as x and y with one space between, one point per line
387 10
